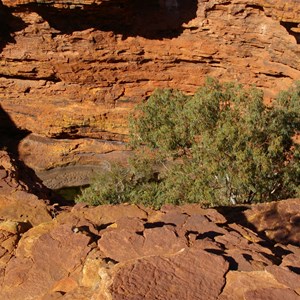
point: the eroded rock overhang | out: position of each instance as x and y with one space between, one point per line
71 71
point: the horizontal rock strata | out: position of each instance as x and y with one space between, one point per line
75 70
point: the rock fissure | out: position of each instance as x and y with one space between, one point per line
28 77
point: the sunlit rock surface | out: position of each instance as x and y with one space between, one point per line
70 72
130 252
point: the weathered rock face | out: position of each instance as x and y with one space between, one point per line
130 252
21 194
21 205
75 71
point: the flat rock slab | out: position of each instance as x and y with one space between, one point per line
271 294
121 245
189 274
107 214
46 254
256 284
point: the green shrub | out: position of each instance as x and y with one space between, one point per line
138 183
221 146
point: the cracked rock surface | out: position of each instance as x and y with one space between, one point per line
115 252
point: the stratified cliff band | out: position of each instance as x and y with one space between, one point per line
70 72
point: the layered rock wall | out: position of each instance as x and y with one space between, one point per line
70 73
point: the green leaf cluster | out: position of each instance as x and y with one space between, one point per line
220 146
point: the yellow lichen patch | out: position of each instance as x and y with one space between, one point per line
30 237
65 285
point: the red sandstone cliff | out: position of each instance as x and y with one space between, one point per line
75 70
70 73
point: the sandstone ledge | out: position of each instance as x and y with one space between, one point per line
284 10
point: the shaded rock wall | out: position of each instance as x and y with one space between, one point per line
71 73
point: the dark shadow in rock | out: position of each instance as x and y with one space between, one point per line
273 258
86 230
157 225
233 265
282 227
152 19
289 26
280 252
248 257
209 234
294 269
10 134
235 214
103 226
8 25
10 137
108 260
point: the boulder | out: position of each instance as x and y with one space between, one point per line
279 221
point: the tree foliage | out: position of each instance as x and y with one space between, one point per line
220 146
